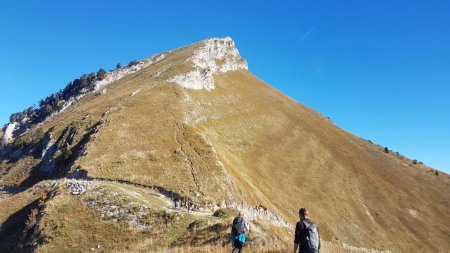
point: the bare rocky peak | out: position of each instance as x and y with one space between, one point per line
213 56
215 49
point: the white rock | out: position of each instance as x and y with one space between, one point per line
49 143
205 61
8 135
103 91
77 187
121 72
195 80
135 93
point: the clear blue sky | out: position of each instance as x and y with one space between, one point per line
379 69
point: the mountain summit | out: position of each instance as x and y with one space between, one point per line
160 154
215 56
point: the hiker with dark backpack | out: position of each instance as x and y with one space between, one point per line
238 237
307 236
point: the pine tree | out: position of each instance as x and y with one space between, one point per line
48 109
132 63
101 74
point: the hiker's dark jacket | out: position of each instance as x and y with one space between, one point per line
300 236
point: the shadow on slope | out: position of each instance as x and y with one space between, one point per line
21 231
60 156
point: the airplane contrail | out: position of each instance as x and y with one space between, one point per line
305 35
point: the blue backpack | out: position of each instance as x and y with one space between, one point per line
238 231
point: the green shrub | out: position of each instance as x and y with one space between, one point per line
386 150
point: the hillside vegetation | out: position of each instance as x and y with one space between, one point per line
193 124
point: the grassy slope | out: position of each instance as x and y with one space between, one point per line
285 156
71 225
275 152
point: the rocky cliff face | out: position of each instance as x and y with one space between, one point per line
212 57
192 130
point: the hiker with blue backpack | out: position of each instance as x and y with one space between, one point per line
307 236
238 237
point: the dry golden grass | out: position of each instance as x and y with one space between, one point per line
295 157
71 226
14 203
327 247
243 141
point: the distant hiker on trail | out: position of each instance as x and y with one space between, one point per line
306 234
177 203
238 228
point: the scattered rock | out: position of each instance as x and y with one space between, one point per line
77 187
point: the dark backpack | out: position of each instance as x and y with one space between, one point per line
238 226
312 239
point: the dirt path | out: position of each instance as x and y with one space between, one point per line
157 192
183 210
